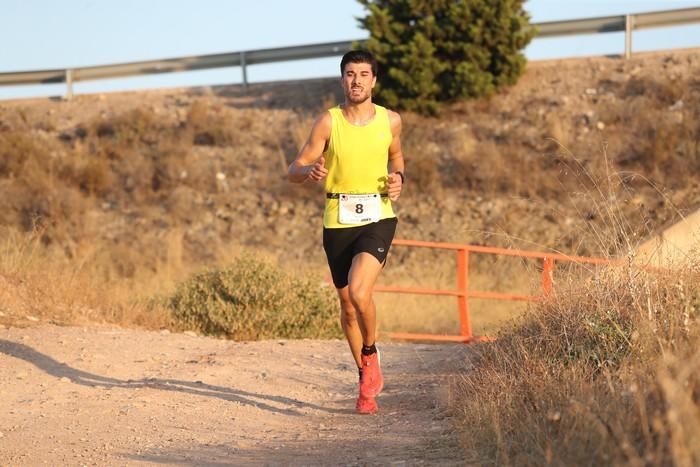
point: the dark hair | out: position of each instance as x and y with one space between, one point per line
358 56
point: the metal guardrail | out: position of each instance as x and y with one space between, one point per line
169 65
626 23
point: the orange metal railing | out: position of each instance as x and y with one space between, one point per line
464 293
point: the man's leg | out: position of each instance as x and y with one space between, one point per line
363 274
352 328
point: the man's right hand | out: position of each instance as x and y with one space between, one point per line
318 171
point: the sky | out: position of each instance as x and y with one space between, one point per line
48 34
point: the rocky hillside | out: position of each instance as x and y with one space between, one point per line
583 156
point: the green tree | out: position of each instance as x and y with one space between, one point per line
433 51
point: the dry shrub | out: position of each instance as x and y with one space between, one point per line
460 156
132 128
605 374
252 299
96 177
211 126
662 90
41 186
425 170
656 129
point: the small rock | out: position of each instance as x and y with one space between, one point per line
65 380
600 125
677 106
190 333
553 415
164 332
32 318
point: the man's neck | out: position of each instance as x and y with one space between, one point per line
359 113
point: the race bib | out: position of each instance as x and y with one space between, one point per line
359 209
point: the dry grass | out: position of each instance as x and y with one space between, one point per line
100 282
38 284
606 374
597 374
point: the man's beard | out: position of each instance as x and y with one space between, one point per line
359 99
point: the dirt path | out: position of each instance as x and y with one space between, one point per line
103 396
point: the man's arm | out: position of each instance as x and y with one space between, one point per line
396 164
309 164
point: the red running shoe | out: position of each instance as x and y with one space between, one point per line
372 381
366 405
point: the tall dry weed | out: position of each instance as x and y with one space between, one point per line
605 373
39 284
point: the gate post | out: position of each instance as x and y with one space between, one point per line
244 72
463 288
629 25
69 84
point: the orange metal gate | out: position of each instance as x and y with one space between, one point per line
464 293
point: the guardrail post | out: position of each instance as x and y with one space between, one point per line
244 72
547 276
629 24
69 84
463 287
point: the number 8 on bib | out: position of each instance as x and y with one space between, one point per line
359 209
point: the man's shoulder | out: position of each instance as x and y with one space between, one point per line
392 114
324 118
322 125
394 118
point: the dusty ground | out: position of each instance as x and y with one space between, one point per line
110 396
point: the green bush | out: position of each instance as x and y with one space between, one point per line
252 299
438 51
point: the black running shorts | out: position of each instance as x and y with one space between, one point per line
341 246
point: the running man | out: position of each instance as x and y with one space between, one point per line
356 148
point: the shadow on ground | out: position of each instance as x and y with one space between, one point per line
198 388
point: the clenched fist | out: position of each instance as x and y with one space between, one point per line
394 184
318 171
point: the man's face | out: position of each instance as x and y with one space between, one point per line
358 82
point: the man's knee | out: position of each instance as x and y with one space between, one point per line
360 297
347 309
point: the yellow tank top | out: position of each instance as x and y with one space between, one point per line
356 159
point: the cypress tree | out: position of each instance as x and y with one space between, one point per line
434 51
